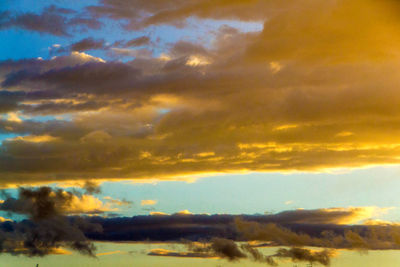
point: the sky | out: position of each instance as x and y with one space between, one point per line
220 132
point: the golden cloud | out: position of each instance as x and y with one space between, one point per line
148 202
315 89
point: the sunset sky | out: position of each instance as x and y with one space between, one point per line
199 132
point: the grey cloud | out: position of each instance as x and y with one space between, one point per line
85 23
139 41
141 13
53 20
46 22
92 188
81 78
88 44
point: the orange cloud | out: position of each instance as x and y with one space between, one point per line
148 202
298 95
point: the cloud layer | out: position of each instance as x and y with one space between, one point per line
49 227
315 89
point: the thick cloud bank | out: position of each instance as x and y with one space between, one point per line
315 89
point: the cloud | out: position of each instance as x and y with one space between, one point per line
183 212
87 204
171 253
52 20
91 188
55 202
230 250
139 41
282 99
301 254
47 210
33 138
88 44
48 228
148 202
118 202
2 219
47 22
158 213
126 52
119 49
141 14
273 230
350 215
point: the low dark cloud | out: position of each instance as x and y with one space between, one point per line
204 235
246 228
